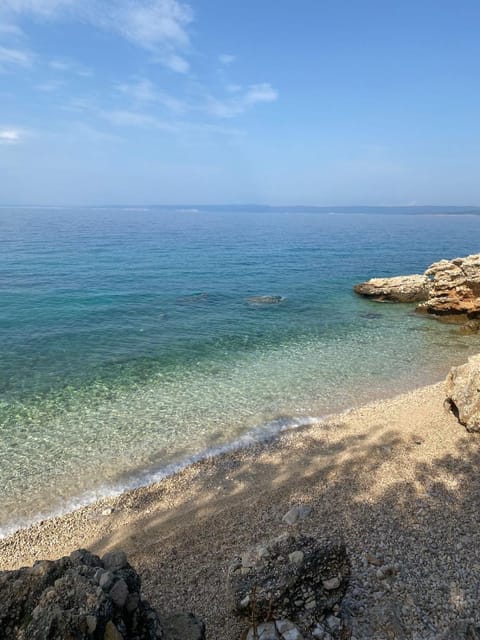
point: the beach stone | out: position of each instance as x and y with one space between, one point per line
115 560
461 630
105 580
413 288
61 599
272 586
296 556
91 624
462 388
296 513
183 626
119 593
111 632
333 583
319 632
276 630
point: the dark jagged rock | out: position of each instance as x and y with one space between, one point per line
293 580
78 597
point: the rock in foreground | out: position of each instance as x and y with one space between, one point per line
78 597
294 582
413 288
463 392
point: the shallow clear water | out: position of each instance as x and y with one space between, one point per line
128 343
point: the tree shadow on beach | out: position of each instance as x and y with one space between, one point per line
402 494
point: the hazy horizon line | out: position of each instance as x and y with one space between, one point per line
192 206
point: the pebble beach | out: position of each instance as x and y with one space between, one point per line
397 480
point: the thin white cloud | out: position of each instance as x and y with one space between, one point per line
86 131
70 66
263 92
48 87
151 22
83 104
10 57
174 62
233 88
143 91
180 128
39 7
241 100
121 118
159 26
59 65
226 58
10 136
10 30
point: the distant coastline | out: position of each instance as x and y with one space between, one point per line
194 208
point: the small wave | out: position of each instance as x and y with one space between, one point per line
260 434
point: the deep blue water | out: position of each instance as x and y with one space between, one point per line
128 343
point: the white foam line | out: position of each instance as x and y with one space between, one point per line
257 435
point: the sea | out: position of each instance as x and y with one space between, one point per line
130 346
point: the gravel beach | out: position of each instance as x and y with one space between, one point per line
397 480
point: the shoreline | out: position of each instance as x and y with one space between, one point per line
396 478
261 434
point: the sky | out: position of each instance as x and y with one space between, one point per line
313 102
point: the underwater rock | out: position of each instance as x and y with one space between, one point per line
265 299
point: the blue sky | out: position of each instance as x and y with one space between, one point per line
212 101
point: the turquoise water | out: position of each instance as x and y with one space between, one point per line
128 345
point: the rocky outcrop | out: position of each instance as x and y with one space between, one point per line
454 288
449 290
463 392
79 597
413 288
290 588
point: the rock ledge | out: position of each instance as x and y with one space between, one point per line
449 290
